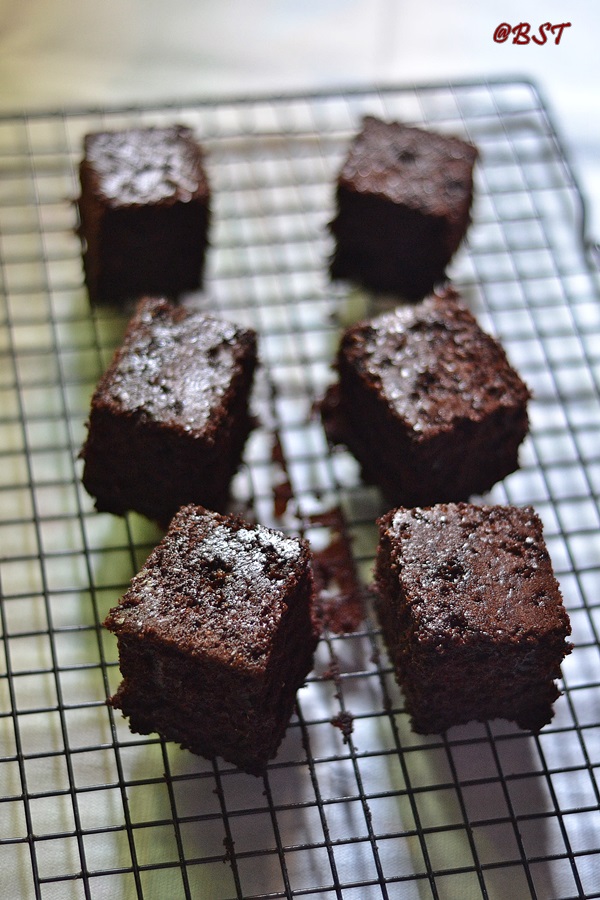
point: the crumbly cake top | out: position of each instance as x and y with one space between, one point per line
433 364
471 572
214 586
174 366
421 169
146 165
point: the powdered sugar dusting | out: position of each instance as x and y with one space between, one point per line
145 165
174 368
429 362
214 582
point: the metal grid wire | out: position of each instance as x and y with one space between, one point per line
355 805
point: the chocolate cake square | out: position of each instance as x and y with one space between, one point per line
471 614
427 402
216 634
170 416
144 211
403 206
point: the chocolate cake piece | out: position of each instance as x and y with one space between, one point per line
427 402
215 636
144 213
403 206
170 416
471 614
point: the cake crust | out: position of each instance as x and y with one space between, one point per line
471 614
170 416
427 402
403 206
215 635
145 211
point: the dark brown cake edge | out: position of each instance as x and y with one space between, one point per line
534 712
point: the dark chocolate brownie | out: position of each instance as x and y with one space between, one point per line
144 213
170 416
215 636
403 202
427 402
471 614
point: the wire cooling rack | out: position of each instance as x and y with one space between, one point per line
355 805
